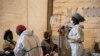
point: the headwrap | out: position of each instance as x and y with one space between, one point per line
78 16
20 29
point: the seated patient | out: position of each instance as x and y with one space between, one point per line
9 43
47 44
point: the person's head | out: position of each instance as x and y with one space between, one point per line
75 21
8 35
20 29
77 18
47 35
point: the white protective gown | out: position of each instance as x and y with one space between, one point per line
75 37
28 45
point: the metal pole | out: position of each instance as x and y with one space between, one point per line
59 50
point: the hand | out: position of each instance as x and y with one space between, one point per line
47 54
62 31
7 52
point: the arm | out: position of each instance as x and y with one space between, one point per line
19 49
80 34
6 46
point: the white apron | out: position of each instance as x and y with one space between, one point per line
75 37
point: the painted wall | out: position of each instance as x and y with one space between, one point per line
37 16
31 13
90 9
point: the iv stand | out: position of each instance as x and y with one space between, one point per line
53 21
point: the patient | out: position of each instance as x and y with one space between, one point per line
8 44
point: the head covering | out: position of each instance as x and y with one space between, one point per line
8 35
20 29
78 16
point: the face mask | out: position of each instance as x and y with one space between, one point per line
47 38
8 38
71 23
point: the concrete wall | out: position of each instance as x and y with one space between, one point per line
31 13
12 13
37 16
90 9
